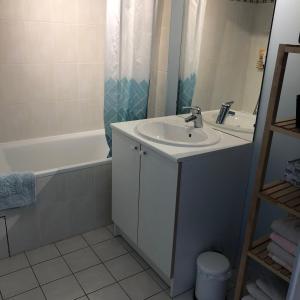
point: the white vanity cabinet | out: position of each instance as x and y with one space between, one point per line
171 207
144 199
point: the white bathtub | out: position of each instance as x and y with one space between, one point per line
73 182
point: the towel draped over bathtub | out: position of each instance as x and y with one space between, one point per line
17 190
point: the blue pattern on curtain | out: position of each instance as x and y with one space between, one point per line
125 100
185 95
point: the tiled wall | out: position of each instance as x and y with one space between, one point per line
51 67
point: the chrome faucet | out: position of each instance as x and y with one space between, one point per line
196 116
224 110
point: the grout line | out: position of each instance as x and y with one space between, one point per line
101 262
39 285
116 281
85 294
21 269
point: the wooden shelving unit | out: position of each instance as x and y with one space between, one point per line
280 193
284 195
287 127
259 253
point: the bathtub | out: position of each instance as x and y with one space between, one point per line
73 187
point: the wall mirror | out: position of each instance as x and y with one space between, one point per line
222 61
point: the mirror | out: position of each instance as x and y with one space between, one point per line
223 50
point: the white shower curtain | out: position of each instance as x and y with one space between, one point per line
194 15
128 60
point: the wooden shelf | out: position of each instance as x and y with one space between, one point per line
259 253
281 193
284 195
287 127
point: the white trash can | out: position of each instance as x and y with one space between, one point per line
213 272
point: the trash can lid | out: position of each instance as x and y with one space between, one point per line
213 263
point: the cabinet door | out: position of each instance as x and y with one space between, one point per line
158 190
125 184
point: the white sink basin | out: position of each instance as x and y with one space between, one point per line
177 134
241 121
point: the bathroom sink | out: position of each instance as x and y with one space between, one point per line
241 121
177 134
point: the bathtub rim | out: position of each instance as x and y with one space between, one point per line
72 168
60 137
51 138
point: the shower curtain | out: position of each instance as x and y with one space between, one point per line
129 27
194 14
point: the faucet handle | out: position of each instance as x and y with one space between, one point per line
228 104
195 109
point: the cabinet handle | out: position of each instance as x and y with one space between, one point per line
143 152
134 147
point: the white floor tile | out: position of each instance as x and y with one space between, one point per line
71 244
63 289
110 228
160 296
109 249
94 278
123 266
13 264
140 260
42 254
96 236
51 270
112 292
185 296
158 280
17 283
124 244
140 286
35 294
81 259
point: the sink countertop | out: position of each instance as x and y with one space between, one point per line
177 153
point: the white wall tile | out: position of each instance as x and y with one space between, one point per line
91 11
90 77
90 43
12 84
37 10
38 82
11 9
64 11
39 42
65 81
65 43
12 42
43 45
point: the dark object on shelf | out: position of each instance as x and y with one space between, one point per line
298 112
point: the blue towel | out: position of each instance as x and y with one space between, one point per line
17 190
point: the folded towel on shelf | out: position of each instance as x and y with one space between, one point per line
293 166
284 243
256 292
281 253
17 190
289 228
280 262
292 179
275 289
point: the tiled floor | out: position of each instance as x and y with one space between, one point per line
94 266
